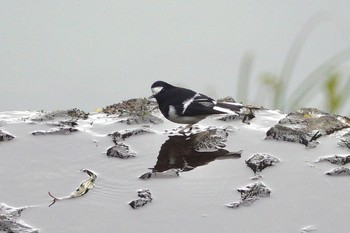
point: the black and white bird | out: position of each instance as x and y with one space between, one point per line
184 106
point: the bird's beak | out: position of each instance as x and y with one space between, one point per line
151 97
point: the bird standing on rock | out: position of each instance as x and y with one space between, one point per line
184 106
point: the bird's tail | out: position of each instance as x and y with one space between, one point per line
228 107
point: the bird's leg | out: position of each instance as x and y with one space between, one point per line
182 131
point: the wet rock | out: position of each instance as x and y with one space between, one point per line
149 118
250 194
345 140
339 171
63 114
211 139
168 173
10 220
4 136
77 114
120 150
55 131
145 198
123 134
285 133
136 111
260 161
335 159
306 125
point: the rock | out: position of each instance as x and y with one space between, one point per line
211 139
145 198
284 133
55 131
120 150
4 136
10 221
123 134
149 118
306 125
345 140
260 161
168 173
77 114
339 171
250 194
137 111
335 159
64 114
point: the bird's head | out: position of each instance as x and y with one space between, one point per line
159 87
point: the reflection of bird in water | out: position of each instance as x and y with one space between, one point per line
178 152
184 106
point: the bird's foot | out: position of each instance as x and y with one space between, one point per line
188 128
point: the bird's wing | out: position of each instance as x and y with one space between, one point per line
199 104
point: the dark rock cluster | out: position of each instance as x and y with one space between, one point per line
250 194
260 161
10 221
136 111
172 172
123 134
4 136
345 140
339 171
69 115
335 159
210 139
120 149
306 125
145 198
55 131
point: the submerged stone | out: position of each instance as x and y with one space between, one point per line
144 119
145 198
339 171
55 131
168 173
4 136
250 194
345 140
306 125
120 150
123 134
335 159
260 161
10 221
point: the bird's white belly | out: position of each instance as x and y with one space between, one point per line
174 117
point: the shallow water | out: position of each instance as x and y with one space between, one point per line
193 202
